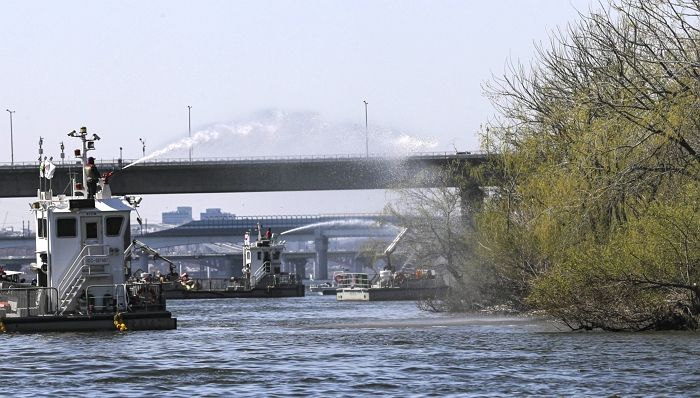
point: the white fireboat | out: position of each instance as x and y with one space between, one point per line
83 262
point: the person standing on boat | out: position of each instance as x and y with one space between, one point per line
92 176
268 234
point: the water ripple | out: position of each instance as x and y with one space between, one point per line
318 347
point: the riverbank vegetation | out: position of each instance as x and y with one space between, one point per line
592 212
595 212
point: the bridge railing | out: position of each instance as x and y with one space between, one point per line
253 159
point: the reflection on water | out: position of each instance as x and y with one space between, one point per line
316 346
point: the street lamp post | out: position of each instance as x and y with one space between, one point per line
12 144
143 146
189 127
366 131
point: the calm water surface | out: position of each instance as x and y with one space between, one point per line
315 346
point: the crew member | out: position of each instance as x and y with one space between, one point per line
92 176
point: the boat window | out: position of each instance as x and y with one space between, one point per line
41 228
247 256
275 255
65 228
113 225
259 255
91 230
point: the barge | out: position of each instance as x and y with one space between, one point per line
262 275
391 286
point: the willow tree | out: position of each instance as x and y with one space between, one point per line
598 140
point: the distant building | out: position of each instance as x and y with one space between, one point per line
180 216
216 214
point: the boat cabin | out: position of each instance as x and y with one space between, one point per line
262 259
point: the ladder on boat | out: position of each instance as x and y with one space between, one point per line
89 264
261 273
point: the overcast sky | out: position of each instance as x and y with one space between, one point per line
298 70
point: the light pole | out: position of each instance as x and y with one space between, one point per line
143 146
12 144
366 131
189 127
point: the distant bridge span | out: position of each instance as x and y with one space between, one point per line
316 228
307 173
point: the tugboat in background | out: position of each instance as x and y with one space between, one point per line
262 275
83 244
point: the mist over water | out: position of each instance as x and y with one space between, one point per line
282 133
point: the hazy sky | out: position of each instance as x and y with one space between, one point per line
299 70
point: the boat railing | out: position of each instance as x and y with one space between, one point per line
106 301
283 279
144 296
211 283
351 280
28 301
89 262
78 267
262 272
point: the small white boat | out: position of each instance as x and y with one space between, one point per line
353 286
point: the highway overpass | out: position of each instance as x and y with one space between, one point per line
304 173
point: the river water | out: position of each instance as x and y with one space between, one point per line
316 346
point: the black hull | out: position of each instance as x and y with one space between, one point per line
324 292
392 293
272 292
161 320
408 293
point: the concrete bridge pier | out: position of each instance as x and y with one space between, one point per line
358 265
472 199
321 246
297 266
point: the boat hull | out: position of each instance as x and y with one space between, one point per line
325 291
272 292
160 320
391 293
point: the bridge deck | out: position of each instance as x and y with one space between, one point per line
246 175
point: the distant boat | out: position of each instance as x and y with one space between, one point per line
262 275
420 285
